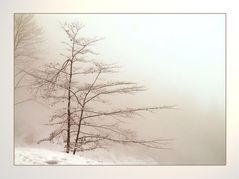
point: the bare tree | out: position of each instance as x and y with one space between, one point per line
27 39
77 87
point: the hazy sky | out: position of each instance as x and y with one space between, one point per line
181 52
180 58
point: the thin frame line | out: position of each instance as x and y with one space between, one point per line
146 165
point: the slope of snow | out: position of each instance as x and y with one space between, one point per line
117 154
36 156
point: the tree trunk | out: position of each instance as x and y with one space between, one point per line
69 112
78 130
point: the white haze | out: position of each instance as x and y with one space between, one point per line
180 60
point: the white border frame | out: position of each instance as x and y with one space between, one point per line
8 170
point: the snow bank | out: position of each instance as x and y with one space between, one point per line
118 154
36 156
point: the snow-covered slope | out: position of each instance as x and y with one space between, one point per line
36 156
119 154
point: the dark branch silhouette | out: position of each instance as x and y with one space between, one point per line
75 85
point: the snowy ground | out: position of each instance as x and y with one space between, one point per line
51 154
36 156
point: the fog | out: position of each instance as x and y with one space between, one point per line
179 58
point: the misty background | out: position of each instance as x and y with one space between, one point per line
180 58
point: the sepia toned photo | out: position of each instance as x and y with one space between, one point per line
119 89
